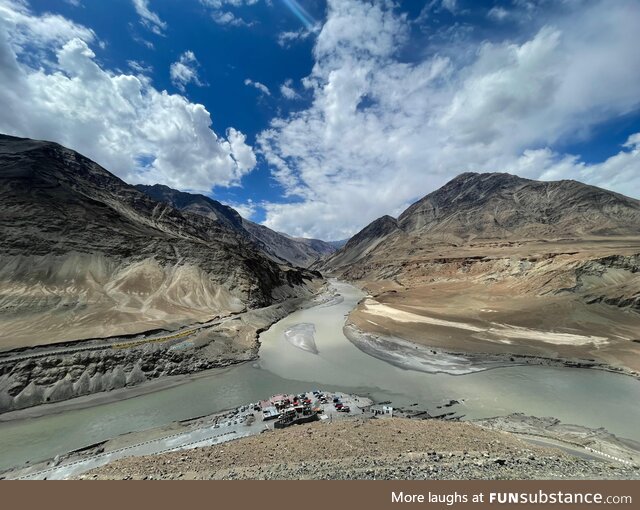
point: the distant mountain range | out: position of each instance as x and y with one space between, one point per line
483 208
84 254
279 247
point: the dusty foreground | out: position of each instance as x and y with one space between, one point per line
367 448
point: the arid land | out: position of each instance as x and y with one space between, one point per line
366 448
576 301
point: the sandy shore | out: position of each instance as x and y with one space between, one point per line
231 343
424 358
490 325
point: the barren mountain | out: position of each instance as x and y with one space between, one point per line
279 247
197 204
298 251
83 254
494 263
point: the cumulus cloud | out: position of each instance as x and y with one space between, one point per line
259 86
246 210
287 90
119 120
286 38
149 18
226 17
39 32
185 71
383 130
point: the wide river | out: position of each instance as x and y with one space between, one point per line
584 397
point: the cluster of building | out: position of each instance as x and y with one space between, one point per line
292 409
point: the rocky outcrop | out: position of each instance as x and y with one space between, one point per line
37 377
540 238
85 255
279 247
474 208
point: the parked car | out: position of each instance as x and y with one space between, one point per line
344 409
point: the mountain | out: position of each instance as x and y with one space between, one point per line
498 205
295 250
196 204
363 242
338 244
493 266
83 254
495 207
279 247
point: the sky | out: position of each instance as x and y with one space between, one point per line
315 117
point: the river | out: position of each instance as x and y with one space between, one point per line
585 397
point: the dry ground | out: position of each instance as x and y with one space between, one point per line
541 299
367 448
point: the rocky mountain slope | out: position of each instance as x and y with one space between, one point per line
493 263
475 208
83 254
281 248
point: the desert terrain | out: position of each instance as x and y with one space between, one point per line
523 299
365 448
495 264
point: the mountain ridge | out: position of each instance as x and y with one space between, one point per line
280 247
86 255
498 207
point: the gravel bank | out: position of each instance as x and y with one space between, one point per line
369 449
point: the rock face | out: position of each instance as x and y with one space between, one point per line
279 247
298 251
495 265
504 206
475 208
83 254
197 204
364 242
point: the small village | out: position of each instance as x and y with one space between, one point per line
287 410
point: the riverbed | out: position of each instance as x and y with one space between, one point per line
584 397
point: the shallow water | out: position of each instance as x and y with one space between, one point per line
584 397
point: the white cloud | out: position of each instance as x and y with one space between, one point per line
498 13
140 67
259 86
218 4
149 18
185 71
286 38
246 210
226 17
287 90
450 5
119 120
382 131
39 31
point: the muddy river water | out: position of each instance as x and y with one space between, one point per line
319 356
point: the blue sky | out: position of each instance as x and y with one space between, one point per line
316 117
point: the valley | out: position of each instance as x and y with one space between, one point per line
129 308
481 267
